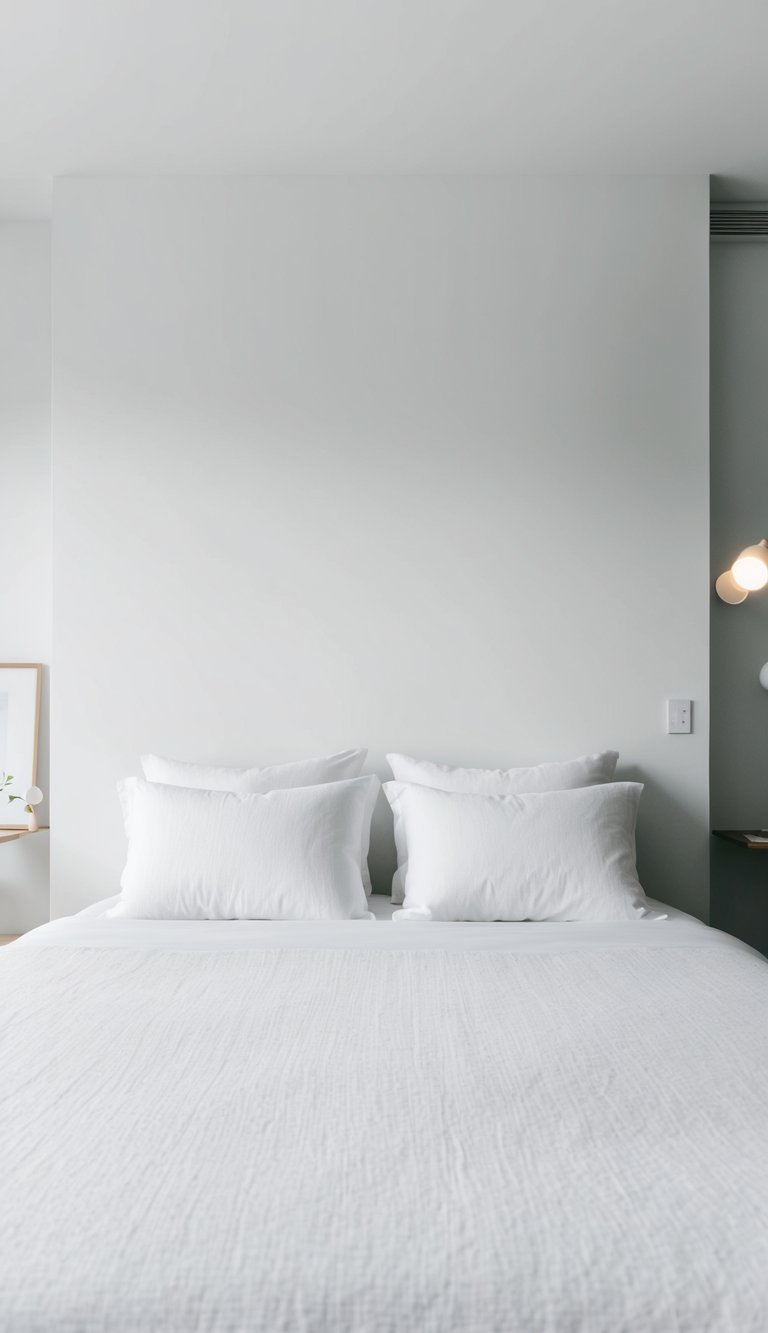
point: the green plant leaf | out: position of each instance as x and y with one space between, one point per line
14 798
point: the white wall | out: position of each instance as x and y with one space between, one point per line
417 464
25 525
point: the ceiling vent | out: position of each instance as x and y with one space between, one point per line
738 222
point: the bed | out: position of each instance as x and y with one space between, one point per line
370 1126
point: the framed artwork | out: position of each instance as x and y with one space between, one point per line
20 684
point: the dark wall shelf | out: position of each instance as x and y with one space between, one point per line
744 838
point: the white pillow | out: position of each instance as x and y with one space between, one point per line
283 855
545 856
278 777
584 772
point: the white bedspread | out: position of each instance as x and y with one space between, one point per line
366 1127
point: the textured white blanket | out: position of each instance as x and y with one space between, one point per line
385 1137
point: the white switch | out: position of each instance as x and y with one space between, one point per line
679 716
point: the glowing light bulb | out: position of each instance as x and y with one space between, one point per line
750 571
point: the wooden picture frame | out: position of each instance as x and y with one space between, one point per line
20 689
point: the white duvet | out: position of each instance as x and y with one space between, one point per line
363 1127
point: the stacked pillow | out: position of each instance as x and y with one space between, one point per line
547 843
278 777
288 842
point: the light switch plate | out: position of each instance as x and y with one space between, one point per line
679 715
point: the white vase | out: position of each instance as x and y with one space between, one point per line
32 824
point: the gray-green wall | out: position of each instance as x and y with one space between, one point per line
739 634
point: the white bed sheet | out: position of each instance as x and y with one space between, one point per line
94 928
576 1128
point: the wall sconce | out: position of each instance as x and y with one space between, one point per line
748 573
